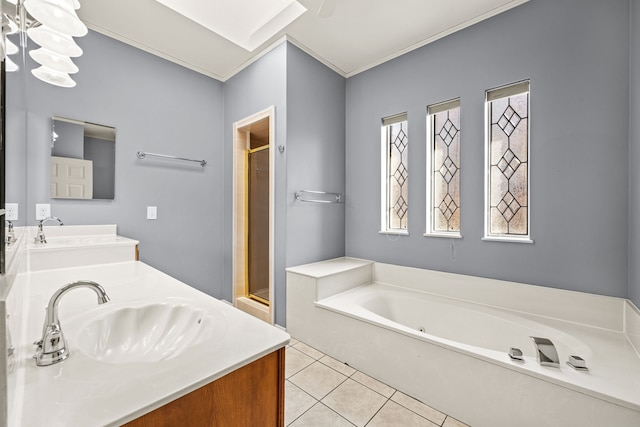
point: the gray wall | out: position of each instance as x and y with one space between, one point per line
576 54
309 103
70 140
634 157
160 107
259 86
155 106
315 158
16 149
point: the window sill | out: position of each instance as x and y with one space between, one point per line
444 235
507 239
395 233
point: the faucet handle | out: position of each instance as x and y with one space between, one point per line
52 348
516 354
577 363
40 238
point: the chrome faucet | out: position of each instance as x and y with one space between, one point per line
546 352
11 237
52 348
40 236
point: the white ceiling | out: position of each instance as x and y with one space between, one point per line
355 36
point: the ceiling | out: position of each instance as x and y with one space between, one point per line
350 36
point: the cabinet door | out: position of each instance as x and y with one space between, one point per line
247 397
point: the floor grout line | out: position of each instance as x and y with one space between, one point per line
294 420
338 414
347 377
376 413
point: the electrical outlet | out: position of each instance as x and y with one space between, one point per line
152 212
11 211
43 210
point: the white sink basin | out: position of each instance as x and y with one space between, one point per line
147 333
71 246
79 241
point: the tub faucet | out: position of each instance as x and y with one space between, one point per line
40 236
546 353
11 237
52 348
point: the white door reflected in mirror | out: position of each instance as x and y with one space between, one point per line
71 178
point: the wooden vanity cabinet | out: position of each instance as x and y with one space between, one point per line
247 397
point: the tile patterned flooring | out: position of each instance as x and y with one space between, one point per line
321 391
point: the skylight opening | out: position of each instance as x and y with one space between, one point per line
247 23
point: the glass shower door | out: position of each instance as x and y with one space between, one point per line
258 225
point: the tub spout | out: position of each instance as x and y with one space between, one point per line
546 352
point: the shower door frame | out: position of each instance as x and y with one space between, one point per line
241 147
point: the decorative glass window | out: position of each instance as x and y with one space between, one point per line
395 174
507 153
443 169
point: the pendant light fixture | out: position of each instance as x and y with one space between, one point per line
59 15
51 24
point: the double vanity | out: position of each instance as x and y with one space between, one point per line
158 352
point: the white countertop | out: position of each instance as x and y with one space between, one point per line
81 391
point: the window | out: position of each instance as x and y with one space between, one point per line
395 175
443 169
507 154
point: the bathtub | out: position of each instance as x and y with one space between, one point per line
444 339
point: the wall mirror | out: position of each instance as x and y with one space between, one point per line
83 160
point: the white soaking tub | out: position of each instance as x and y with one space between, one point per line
444 339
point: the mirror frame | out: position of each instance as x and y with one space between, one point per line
2 161
95 131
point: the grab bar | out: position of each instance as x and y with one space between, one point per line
339 197
142 155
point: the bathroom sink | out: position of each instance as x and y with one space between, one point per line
64 251
74 241
148 333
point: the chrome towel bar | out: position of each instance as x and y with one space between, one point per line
330 197
142 155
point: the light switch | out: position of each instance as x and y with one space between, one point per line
152 212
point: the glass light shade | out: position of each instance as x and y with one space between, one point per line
54 41
53 77
10 47
13 27
54 61
9 65
69 5
58 15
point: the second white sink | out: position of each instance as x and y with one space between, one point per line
77 246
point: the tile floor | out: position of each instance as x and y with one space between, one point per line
321 392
